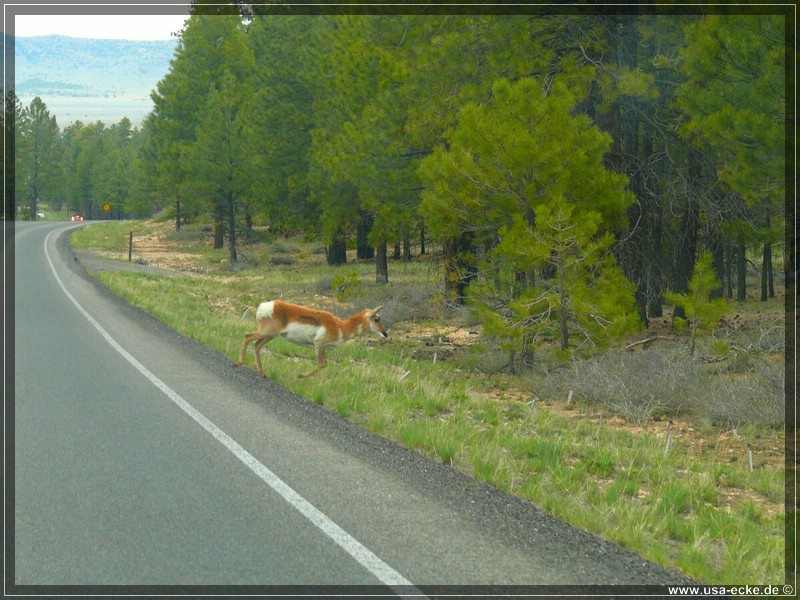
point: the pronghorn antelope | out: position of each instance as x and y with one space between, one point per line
308 327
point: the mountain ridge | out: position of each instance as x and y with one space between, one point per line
90 79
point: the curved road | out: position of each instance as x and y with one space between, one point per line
141 458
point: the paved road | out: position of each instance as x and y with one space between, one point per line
142 458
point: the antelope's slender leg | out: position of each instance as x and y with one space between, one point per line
321 363
248 337
258 345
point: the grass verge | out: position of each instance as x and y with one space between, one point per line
684 506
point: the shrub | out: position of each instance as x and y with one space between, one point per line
755 397
323 285
346 285
187 234
279 260
406 302
639 385
642 385
282 248
767 338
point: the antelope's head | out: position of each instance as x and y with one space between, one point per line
375 324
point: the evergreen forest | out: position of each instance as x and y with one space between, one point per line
569 170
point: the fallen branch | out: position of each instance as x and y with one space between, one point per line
645 342
716 359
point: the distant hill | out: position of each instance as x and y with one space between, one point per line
90 79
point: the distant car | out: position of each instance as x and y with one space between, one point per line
76 218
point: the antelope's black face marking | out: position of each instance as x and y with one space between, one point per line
377 327
375 322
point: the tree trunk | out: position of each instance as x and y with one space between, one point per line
790 262
640 295
381 264
219 230
741 269
654 269
563 305
525 279
770 278
728 275
363 249
767 282
451 271
634 253
34 200
687 246
718 251
655 307
767 288
422 237
231 229
458 268
407 249
233 252
336 253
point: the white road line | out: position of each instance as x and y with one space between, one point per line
353 547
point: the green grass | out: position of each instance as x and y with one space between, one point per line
671 508
109 237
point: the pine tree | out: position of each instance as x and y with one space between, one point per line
702 311
211 46
37 157
734 98
580 296
85 164
346 88
523 178
509 157
222 163
287 52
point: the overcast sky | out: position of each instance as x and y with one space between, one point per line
122 27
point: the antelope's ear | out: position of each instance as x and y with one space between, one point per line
377 310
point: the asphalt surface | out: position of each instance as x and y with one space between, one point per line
189 471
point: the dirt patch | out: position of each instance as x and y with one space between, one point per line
157 249
730 446
98 262
440 343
